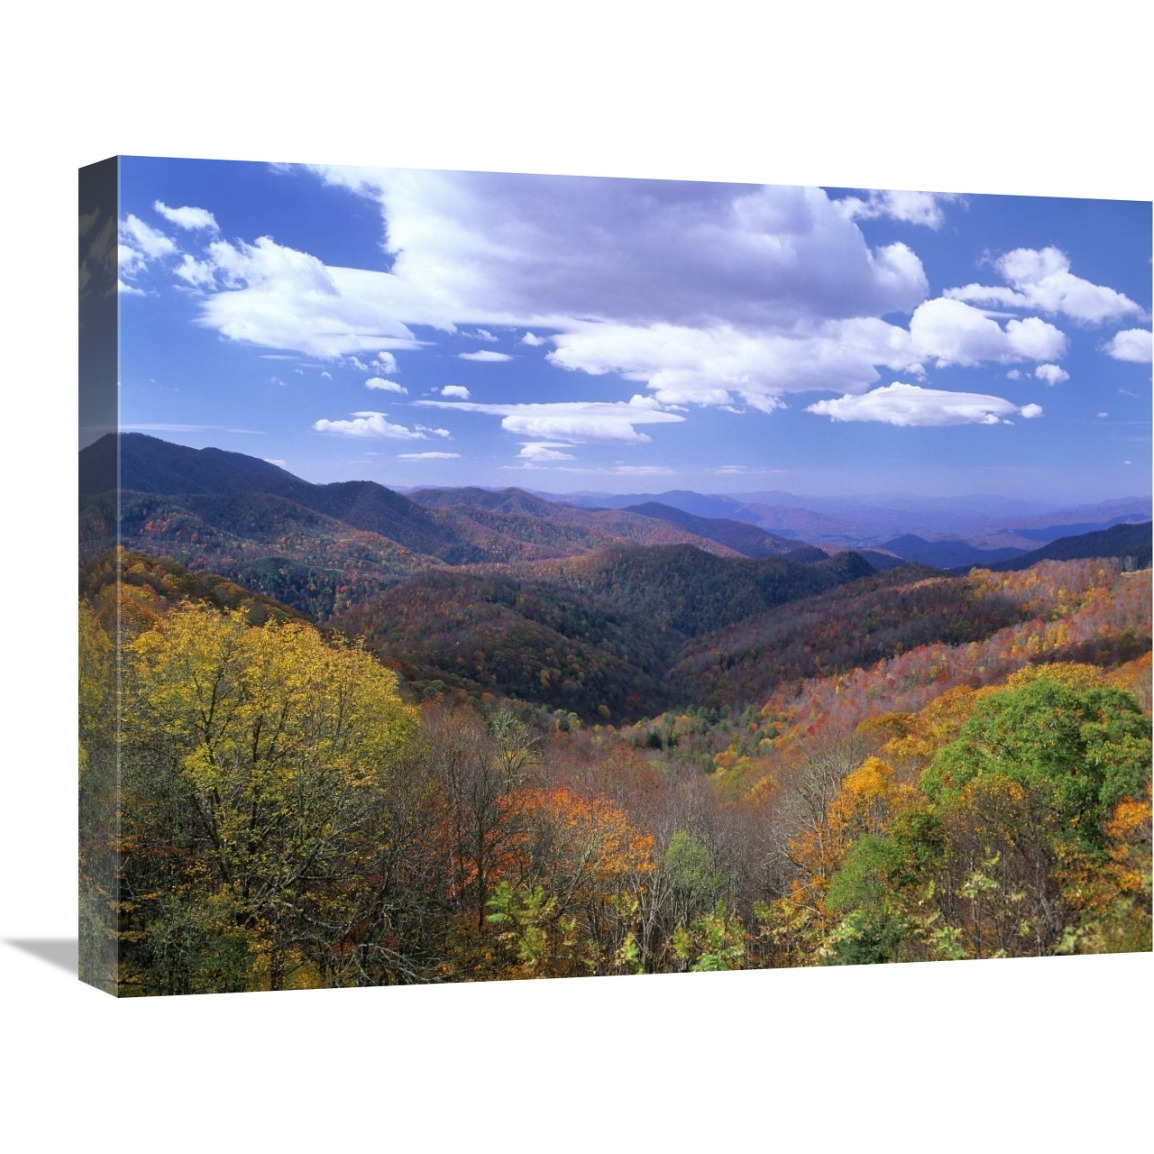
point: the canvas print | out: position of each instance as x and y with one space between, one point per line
498 576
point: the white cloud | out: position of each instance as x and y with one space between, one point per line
480 335
1051 374
643 470
455 392
1135 345
717 365
924 208
485 355
578 421
187 217
128 290
140 245
955 333
385 386
1041 279
532 340
539 251
368 424
1103 414
911 405
745 470
436 432
430 456
545 451
384 362
145 239
276 297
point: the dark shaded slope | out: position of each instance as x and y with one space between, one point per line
683 589
746 539
593 635
485 632
854 625
949 554
150 465
1132 542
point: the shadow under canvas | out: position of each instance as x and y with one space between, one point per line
60 952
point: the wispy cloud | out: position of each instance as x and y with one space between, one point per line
385 386
187 217
162 427
573 420
485 355
545 451
430 456
924 208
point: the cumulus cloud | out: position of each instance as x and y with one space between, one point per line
532 340
277 297
485 355
384 386
1051 374
368 424
187 217
455 392
1135 345
1041 279
579 421
721 365
911 405
924 208
541 251
430 456
954 333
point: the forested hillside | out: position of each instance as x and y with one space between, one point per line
339 761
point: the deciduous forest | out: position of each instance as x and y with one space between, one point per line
633 759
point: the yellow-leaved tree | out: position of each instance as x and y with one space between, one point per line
254 762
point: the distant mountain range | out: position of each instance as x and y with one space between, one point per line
252 520
988 523
610 613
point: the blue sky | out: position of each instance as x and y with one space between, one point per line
574 333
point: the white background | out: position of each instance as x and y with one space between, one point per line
968 97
